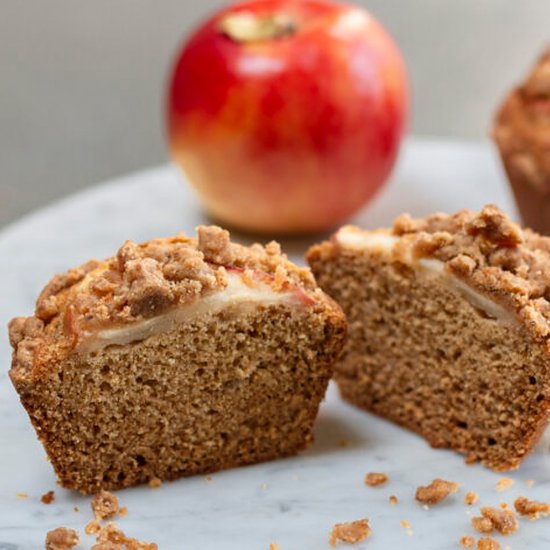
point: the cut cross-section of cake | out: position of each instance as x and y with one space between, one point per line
175 357
449 326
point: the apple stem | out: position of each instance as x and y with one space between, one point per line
247 27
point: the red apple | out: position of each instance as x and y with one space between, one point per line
287 115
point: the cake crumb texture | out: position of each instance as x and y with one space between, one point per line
350 533
111 537
467 541
503 521
61 539
449 330
105 505
437 491
488 543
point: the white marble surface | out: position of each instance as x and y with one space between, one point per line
292 502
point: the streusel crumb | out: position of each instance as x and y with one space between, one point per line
504 521
61 539
47 498
350 533
531 508
105 505
373 479
471 498
436 491
488 543
467 541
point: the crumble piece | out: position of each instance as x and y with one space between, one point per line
351 532
123 511
531 508
47 498
119 541
155 483
273 546
405 524
471 498
76 509
61 539
467 541
393 500
105 505
482 525
436 491
22 495
488 543
92 527
504 521
504 483
373 479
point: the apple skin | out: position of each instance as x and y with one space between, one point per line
291 134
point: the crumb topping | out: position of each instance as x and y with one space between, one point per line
492 255
111 537
531 508
350 533
61 539
522 127
373 479
142 281
467 541
105 505
437 491
503 521
471 498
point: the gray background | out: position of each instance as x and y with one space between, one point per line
82 83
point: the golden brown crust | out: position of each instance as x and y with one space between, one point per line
141 281
522 133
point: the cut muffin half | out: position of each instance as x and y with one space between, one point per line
175 357
448 329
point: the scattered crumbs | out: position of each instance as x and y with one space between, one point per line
373 479
295 477
123 511
92 527
76 509
436 491
110 537
531 508
264 486
104 505
155 482
350 533
61 539
22 495
471 498
273 546
343 443
504 521
504 483
467 541
393 500
530 482
488 543
47 498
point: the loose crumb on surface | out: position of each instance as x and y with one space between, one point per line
209 479
47 498
111 534
374 479
504 483
22 495
155 483
504 521
105 505
273 546
76 509
405 524
393 500
531 508
92 527
488 543
61 539
467 541
350 533
436 491
471 498
123 511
